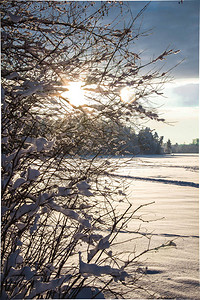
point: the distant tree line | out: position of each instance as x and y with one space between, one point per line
186 148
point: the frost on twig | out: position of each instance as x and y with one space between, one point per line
58 197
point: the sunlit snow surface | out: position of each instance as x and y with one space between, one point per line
172 272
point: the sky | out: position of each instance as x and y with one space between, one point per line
174 25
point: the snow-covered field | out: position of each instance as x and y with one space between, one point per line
172 183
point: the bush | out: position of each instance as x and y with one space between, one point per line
60 212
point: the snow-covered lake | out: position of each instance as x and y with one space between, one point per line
172 183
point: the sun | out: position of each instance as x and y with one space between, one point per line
75 93
127 95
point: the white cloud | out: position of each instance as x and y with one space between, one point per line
186 81
181 93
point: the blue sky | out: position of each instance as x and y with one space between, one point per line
175 26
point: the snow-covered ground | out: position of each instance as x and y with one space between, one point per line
172 183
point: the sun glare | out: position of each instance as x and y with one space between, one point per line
75 93
127 95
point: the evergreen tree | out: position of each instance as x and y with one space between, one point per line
169 147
